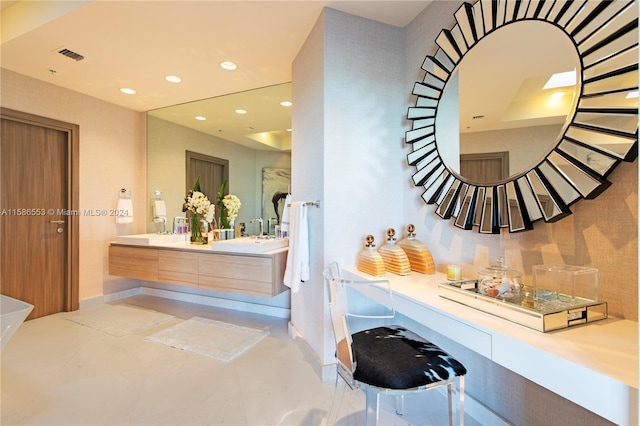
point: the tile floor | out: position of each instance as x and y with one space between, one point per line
57 372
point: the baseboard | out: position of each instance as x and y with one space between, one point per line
217 302
106 298
91 302
122 294
325 372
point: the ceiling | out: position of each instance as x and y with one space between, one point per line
135 44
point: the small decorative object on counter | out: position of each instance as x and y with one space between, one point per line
395 259
561 285
369 260
454 272
497 280
419 255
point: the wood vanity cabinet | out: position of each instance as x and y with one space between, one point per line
260 275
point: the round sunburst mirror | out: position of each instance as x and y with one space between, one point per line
525 108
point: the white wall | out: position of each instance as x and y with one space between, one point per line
347 150
112 156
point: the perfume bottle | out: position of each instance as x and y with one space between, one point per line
419 255
369 260
395 259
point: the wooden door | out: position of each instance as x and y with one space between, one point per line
213 173
38 227
486 168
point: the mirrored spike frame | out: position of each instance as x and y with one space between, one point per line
605 35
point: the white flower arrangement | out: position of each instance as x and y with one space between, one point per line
198 203
232 205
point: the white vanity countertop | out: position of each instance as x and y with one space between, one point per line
204 248
594 365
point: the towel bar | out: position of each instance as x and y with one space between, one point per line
124 194
309 203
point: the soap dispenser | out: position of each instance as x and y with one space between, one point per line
369 260
420 257
395 259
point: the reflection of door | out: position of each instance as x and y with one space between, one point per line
485 168
38 235
212 171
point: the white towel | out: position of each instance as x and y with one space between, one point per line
124 211
298 257
159 208
286 214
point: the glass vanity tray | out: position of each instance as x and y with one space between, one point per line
549 311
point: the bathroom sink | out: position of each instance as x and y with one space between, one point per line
149 239
250 245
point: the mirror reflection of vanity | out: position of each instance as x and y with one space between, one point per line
249 142
497 142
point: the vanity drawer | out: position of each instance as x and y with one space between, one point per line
262 276
258 288
133 262
176 267
235 267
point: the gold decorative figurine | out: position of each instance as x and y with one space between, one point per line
369 260
419 255
395 259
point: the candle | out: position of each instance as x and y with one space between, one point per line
454 272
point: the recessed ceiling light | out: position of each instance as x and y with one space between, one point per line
201 118
632 95
286 103
228 65
173 79
128 91
561 79
241 111
288 130
557 95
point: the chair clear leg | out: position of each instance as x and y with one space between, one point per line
373 407
336 403
449 404
461 408
454 387
400 405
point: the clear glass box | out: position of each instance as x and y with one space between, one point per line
564 283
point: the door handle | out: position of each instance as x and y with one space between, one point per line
56 221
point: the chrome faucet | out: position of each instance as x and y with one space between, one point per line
259 220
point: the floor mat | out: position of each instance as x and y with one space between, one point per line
118 320
214 339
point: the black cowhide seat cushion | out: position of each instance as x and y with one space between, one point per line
393 357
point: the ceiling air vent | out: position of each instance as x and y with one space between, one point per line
71 54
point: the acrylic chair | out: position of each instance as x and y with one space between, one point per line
381 358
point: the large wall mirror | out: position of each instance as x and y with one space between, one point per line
251 142
525 108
